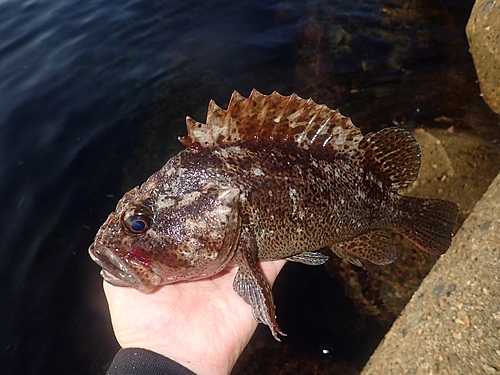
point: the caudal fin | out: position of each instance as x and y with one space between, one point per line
430 224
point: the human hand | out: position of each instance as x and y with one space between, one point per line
203 325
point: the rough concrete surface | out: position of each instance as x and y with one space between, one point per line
483 32
452 323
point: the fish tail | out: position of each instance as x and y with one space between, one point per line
430 223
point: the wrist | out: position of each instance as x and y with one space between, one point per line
137 361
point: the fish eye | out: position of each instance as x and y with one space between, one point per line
137 220
137 224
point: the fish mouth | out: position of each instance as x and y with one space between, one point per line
118 272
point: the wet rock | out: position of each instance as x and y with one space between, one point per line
483 32
455 166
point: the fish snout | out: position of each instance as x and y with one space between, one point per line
117 270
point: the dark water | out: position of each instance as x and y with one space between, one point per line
93 94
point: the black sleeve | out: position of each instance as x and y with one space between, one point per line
144 362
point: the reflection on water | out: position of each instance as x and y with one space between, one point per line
407 62
95 93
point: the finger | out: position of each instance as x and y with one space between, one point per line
271 268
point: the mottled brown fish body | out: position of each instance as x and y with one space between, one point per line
271 177
292 202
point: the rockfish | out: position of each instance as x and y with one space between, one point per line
271 177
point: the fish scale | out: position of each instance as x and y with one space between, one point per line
271 177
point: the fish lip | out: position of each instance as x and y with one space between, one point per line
114 270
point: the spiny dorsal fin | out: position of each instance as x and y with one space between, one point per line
393 155
275 117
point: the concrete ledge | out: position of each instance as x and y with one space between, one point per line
452 323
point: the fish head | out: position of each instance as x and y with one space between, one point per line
153 239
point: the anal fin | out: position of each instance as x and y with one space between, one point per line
338 250
376 246
311 258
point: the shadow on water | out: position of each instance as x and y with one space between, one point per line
95 94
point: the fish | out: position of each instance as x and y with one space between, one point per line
270 177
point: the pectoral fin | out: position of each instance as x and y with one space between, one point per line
376 246
251 286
